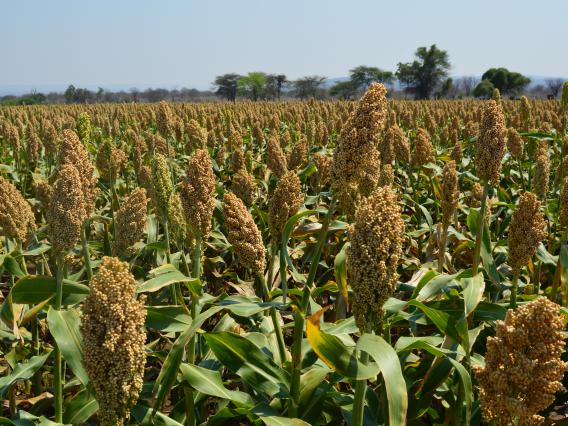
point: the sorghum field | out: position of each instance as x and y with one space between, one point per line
284 263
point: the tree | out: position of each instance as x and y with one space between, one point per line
252 85
274 85
467 84
426 72
69 94
484 89
362 76
344 89
307 87
226 86
554 85
445 88
506 81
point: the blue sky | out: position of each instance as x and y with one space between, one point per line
186 43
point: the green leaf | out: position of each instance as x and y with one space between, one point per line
467 387
144 415
210 382
245 359
12 265
282 421
389 364
340 268
442 320
472 293
38 288
79 409
439 282
331 350
167 275
167 319
64 326
167 377
23 371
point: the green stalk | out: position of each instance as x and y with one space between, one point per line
85 247
522 175
58 379
360 390
190 418
515 284
442 248
275 320
480 227
173 288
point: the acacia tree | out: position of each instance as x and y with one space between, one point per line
506 81
307 87
423 75
274 85
362 76
252 85
226 86
347 89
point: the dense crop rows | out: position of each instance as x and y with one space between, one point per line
284 263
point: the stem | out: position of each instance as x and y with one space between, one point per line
275 320
480 227
522 175
58 379
360 390
173 288
513 301
85 246
190 418
299 321
442 248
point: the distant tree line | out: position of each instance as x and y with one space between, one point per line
426 77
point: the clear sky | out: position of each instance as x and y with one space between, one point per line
187 43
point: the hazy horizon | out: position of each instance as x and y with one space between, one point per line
187 43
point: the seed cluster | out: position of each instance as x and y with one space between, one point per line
374 255
423 149
112 325
523 366
490 146
526 231
450 192
285 202
243 233
130 221
16 217
197 193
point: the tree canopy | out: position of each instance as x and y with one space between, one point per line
506 81
226 86
423 75
252 85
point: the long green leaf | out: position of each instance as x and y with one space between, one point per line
38 288
167 275
64 326
210 382
79 409
168 373
23 371
387 359
245 359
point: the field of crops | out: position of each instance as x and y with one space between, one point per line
284 263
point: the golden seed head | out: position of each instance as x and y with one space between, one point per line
112 325
164 119
523 366
526 114
243 234
399 142
387 175
43 192
276 160
515 143
17 220
564 204
196 137
244 186
490 146
450 192
33 148
237 160
73 152
110 160
130 221
49 138
356 163
526 231
161 183
373 257
323 165
285 203
197 193
299 154
66 212
423 150
457 152
542 171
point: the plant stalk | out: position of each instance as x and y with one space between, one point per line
480 227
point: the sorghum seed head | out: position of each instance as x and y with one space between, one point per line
450 192
112 325
490 146
373 257
423 149
285 202
243 234
276 160
130 221
17 220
